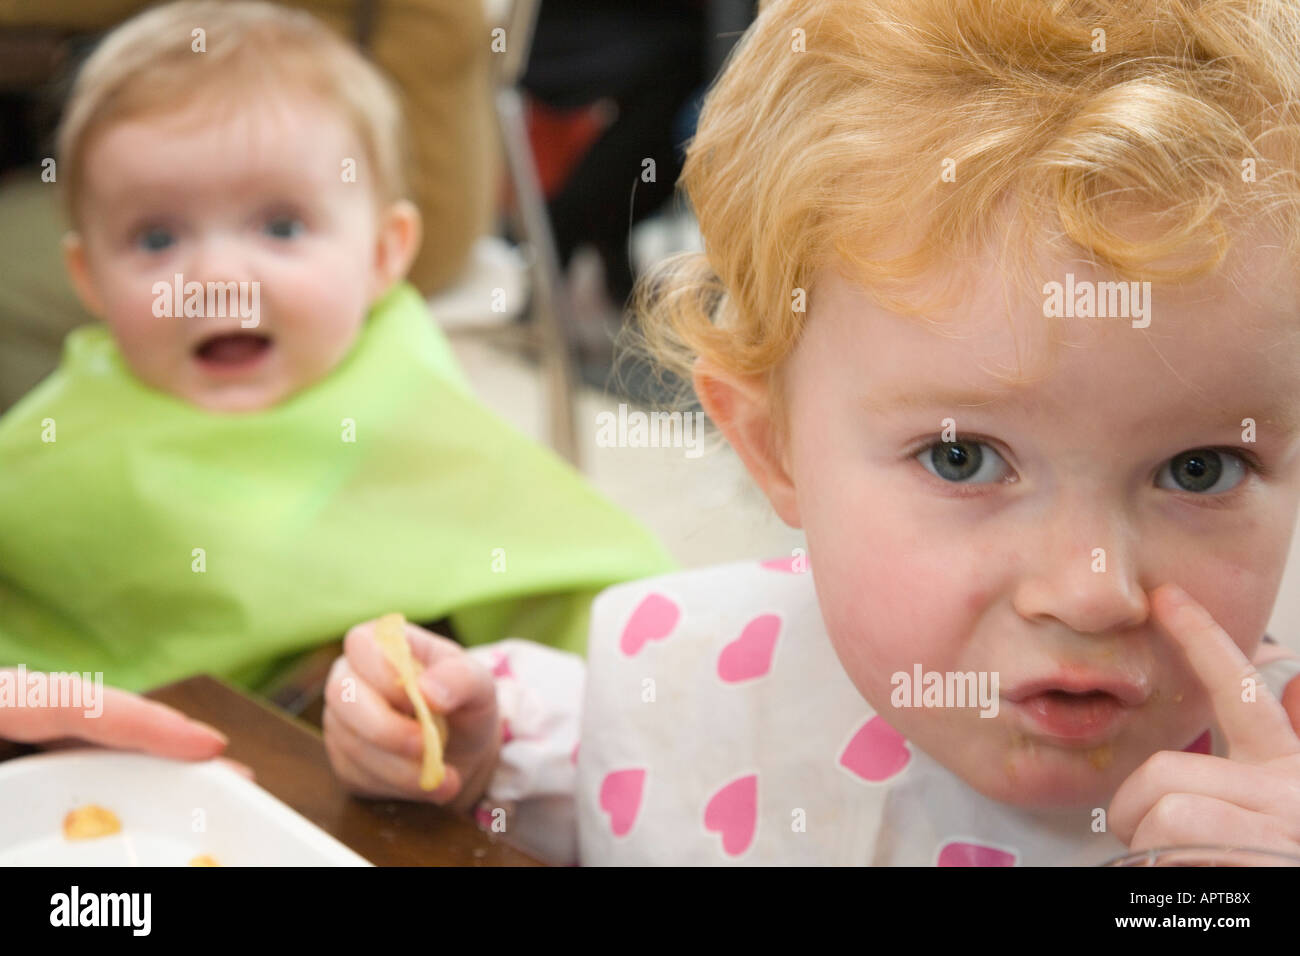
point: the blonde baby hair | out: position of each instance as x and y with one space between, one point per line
151 64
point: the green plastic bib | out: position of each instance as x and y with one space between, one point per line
151 540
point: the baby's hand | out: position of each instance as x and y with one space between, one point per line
123 720
374 742
1249 799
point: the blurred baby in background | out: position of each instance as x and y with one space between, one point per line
267 438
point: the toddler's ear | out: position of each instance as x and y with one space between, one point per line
396 243
74 260
740 408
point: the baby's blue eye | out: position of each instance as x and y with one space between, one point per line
1202 471
155 239
284 227
963 462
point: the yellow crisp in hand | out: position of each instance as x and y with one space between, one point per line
90 822
390 633
204 860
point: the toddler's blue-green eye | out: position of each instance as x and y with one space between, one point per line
1201 471
284 227
155 240
963 462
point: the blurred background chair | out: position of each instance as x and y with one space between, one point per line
500 281
594 103
612 90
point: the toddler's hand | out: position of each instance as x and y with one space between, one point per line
372 737
124 720
1249 799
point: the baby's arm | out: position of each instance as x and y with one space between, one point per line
531 796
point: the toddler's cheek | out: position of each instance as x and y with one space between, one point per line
890 617
975 601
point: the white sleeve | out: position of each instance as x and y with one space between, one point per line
532 792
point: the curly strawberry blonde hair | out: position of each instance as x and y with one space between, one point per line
825 139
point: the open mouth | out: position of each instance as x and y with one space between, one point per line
1077 708
1069 686
1070 697
232 350
1074 716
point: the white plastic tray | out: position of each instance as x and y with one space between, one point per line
171 811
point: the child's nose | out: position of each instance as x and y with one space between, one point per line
1081 570
218 257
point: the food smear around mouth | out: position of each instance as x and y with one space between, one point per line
1019 743
1101 757
390 635
1073 716
90 822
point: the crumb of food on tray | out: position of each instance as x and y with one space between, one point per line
90 822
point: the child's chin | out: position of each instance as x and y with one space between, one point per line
236 401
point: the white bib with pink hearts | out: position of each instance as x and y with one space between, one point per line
719 727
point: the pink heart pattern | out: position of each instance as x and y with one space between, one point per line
653 620
733 812
958 853
876 752
750 655
501 665
795 564
620 797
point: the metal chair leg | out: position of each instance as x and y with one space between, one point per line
550 298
